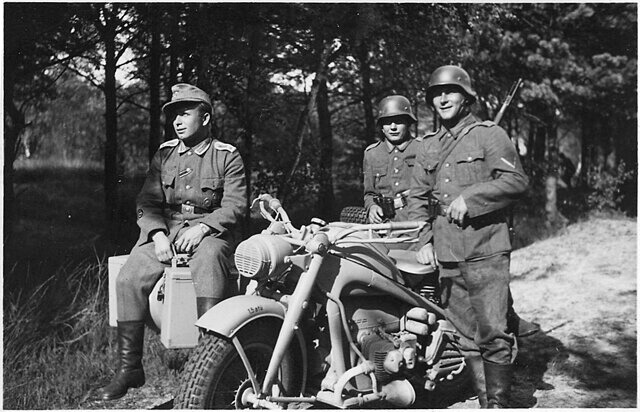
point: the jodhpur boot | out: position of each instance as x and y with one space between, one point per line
520 327
130 373
204 304
476 367
498 380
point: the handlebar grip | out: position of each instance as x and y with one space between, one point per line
274 203
406 225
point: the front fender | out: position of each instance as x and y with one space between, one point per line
229 316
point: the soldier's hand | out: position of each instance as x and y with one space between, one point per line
457 211
375 214
163 250
189 240
426 255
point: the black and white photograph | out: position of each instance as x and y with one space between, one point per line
320 205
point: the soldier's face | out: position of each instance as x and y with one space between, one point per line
450 103
189 121
395 128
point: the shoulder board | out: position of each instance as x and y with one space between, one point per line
224 146
371 146
430 134
169 143
486 123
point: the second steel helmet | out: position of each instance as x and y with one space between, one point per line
455 75
395 105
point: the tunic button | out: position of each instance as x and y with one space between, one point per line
187 187
446 165
395 158
395 170
189 152
396 183
469 158
447 180
188 169
446 195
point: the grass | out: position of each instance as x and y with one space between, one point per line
56 353
52 351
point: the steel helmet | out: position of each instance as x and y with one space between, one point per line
395 105
455 75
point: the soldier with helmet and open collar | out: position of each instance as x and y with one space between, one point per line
192 201
388 163
473 172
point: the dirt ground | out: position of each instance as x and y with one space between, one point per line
581 287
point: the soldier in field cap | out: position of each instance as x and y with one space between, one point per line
192 202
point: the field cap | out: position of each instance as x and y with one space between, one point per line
183 92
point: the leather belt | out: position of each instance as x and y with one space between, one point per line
400 200
185 209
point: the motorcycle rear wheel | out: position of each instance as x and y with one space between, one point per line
214 376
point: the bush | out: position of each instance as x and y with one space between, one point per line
605 194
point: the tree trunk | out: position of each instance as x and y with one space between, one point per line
326 197
367 96
14 124
154 83
255 38
174 51
111 123
553 215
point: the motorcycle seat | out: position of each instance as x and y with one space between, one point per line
406 262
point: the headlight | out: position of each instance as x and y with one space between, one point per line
262 256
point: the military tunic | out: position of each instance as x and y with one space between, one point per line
387 170
484 168
186 186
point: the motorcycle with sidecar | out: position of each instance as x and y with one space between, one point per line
335 316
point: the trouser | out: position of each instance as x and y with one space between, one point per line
209 266
474 295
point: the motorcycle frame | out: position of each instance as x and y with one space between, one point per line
319 246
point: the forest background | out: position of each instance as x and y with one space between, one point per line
295 88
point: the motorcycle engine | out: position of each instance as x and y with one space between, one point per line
377 329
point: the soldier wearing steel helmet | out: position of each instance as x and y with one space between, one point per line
473 172
191 202
388 163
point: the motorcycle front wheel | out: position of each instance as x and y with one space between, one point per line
215 377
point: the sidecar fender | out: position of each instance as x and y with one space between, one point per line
229 316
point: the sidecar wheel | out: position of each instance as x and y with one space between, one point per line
214 376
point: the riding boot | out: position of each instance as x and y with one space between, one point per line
498 381
129 373
519 326
476 367
204 304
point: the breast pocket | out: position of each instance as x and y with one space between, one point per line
168 186
429 162
469 167
380 176
212 192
